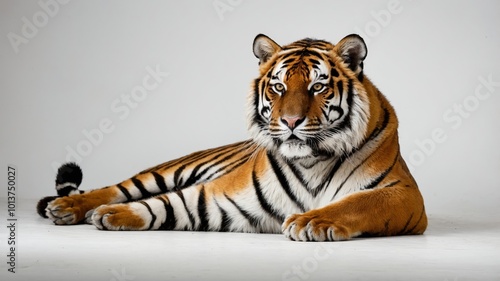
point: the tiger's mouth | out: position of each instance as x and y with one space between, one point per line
294 147
294 139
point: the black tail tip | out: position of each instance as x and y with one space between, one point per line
69 176
69 173
42 205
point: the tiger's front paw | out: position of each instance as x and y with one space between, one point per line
120 217
309 227
66 210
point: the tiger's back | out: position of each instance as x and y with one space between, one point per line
323 161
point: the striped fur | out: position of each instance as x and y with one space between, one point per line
323 162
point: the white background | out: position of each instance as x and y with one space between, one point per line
426 57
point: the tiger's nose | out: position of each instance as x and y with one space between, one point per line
292 121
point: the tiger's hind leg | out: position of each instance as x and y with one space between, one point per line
77 208
178 210
132 216
173 175
395 210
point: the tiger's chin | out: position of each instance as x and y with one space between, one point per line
295 150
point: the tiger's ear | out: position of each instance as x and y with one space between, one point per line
352 49
264 47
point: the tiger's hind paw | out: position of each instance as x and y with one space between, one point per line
120 217
65 210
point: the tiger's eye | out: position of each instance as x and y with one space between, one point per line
279 87
317 87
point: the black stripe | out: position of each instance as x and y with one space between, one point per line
263 202
196 157
234 164
188 159
301 178
382 176
225 220
289 56
254 221
298 175
382 126
153 216
331 95
340 87
333 71
418 222
257 118
309 52
392 183
175 162
325 113
177 175
202 210
284 182
142 189
346 123
194 177
190 215
348 176
170 220
314 61
407 224
125 192
360 75
160 182
334 170
370 185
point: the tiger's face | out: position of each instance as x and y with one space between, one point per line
309 99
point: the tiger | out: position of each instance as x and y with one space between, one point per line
323 161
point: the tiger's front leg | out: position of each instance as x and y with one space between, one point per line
379 212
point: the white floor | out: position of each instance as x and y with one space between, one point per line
454 248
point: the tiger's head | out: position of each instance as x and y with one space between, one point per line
309 99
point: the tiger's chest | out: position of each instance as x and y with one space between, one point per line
303 185
297 186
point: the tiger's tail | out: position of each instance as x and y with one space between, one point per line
69 177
